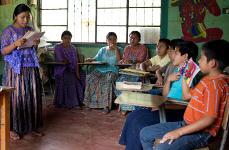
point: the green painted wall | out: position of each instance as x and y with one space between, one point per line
170 24
174 23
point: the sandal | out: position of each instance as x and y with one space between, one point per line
14 136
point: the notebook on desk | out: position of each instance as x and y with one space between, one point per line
134 72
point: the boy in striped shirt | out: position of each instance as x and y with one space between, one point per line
204 113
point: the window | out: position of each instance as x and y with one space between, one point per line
90 20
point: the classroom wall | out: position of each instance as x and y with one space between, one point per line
173 28
174 22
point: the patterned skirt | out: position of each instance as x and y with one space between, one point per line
25 100
69 90
99 92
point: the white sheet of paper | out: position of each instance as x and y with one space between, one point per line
30 38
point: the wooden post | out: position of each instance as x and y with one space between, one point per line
5 117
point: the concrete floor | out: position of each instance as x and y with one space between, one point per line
74 129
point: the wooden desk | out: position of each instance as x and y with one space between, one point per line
54 63
137 98
5 116
94 63
122 66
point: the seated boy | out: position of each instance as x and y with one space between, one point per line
160 60
204 113
166 70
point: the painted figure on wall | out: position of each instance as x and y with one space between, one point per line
192 13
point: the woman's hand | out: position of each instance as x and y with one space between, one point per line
173 77
89 59
36 42
113 46
19 42
78 74
123 61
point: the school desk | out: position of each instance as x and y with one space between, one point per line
5 116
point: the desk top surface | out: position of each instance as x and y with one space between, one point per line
93 63
54 63
6 88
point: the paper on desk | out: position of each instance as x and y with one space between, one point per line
30 36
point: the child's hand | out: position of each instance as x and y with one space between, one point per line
174 77
20 42
159 81
171 136
153 68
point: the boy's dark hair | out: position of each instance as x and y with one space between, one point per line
111 34
166 41
218 50
188 47
20 8
173 43
136 33
68 33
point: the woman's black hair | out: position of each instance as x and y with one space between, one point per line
66 33
218 50
136 33
109 34
20 8
188 47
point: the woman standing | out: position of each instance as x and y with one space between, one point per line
99 92
21 72
69 82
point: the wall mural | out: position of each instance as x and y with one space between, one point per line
193 13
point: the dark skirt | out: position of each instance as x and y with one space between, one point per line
69 90
139 119
25 100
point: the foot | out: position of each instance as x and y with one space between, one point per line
14 136
123 113
106 111
37 133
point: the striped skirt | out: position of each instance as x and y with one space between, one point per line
25 100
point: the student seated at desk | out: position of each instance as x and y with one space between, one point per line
160 60
99 92
204 113
141 118
69 81
133 54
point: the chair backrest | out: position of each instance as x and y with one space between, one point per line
226 114
80 58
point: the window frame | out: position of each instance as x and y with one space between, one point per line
163 24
